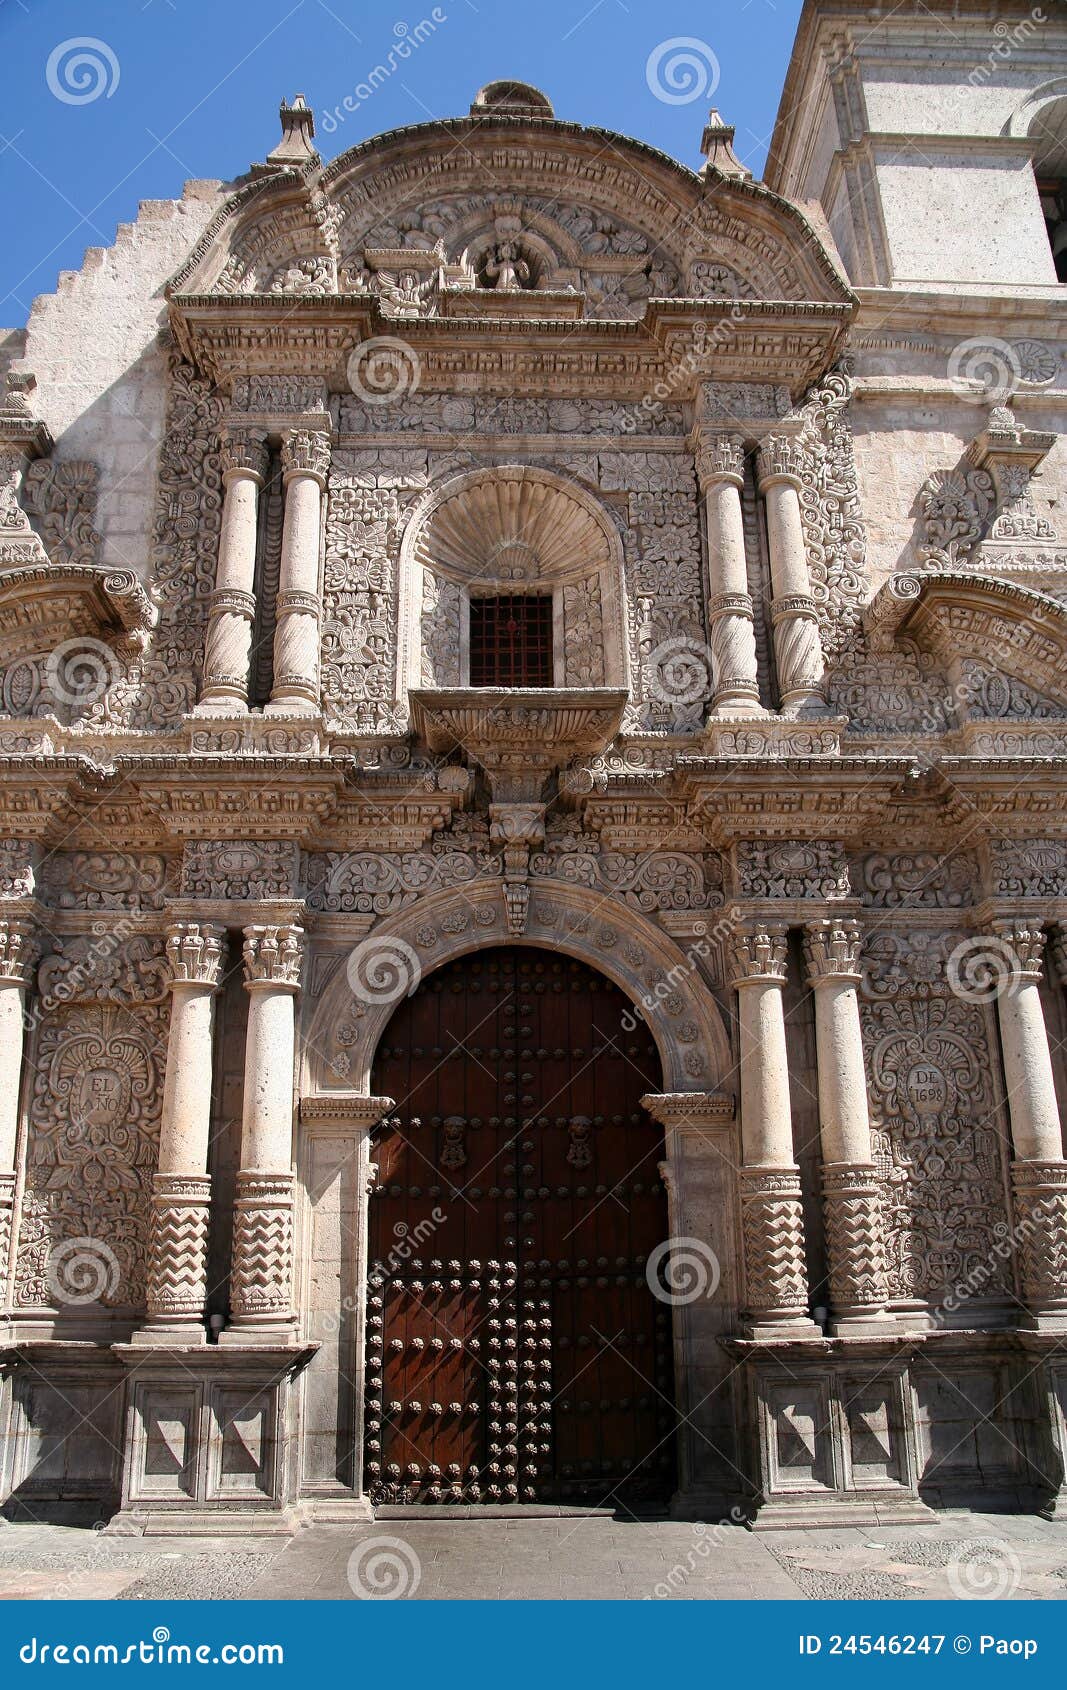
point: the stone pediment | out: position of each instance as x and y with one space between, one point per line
1010 629
518 203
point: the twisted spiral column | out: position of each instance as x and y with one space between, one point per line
261 1275
232 608
1039 1171
797 640
851 1189
181 1189
305 463
772 1219
18 954
720 463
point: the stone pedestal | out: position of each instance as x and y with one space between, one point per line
772 1223
305 463
834 1431
208 1442
797 640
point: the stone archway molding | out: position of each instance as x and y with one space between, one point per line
658 977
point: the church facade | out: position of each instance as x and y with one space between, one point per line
534 848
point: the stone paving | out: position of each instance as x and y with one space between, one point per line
956 1555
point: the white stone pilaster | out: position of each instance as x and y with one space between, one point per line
771 1212
233 606
797 640
851 1192
305 463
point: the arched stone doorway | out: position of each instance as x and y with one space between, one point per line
515 1352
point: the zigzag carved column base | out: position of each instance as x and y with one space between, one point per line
852 1212
776 1277
1040 1236
177 1263
261 1279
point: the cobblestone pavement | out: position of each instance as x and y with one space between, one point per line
959 1555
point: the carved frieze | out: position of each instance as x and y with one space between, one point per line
1028 868
240 868
108 880
917 880
801 869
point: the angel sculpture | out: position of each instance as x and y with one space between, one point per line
505 270
406 293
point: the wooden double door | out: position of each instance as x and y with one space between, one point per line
515 1350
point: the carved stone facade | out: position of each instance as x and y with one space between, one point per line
520 574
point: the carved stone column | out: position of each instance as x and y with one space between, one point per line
233 605
720 462
1039 1172
851 1193
797 641
181 1194
305 462
18 953
772 1220
261 1277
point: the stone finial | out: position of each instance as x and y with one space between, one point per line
298 128
717 145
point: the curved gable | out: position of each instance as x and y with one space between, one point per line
592 211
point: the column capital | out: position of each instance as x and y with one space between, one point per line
758 952
832 950
1025 941
781 460
1057 952
195 952
306 451
720 456
243 452
19 950
272 956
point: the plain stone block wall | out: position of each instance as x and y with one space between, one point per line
95 347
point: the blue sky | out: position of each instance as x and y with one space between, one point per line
172 89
